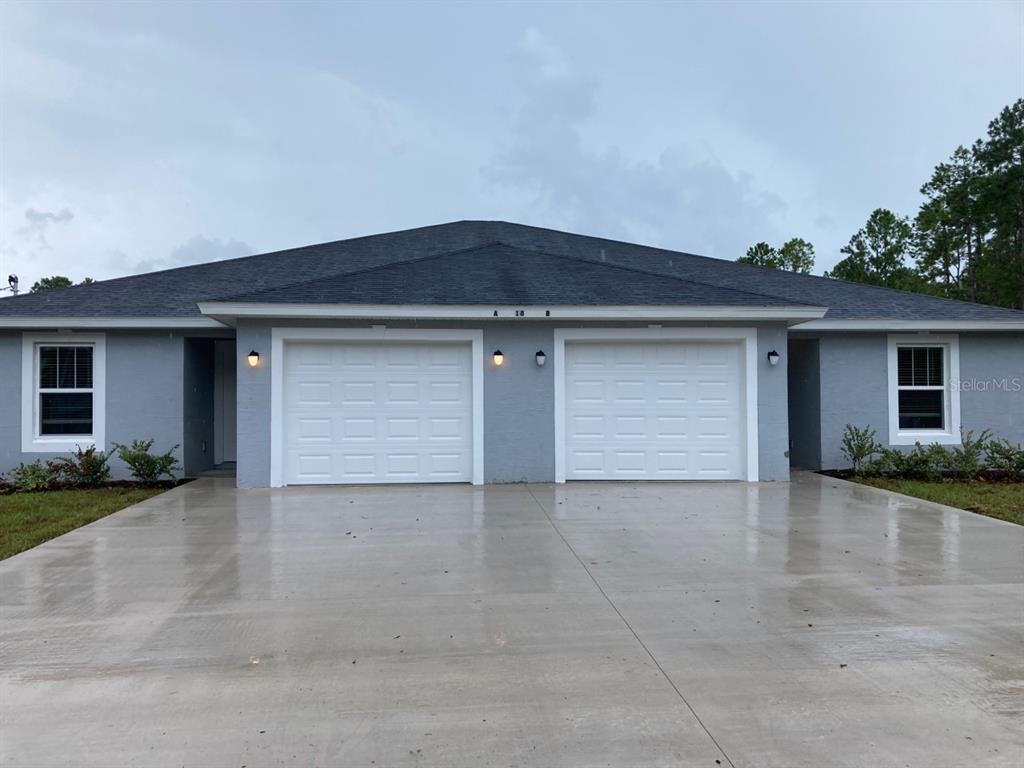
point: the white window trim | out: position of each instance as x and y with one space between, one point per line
31 440
280 336
951 363
746 336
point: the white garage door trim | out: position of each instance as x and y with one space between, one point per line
746 336
281 336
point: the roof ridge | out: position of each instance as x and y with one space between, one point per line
743 265
277 252
364 270
677 278
521 249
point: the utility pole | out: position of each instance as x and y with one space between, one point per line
12 281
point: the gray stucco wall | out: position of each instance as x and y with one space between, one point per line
10 401
772 403
804 404
995 362
519 405
144 396
854 387
519 438
253 406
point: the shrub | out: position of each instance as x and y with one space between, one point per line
146 466
919 463
86 468
1002 456
31 477
968 459
859 445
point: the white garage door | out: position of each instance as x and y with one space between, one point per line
377 413
654 410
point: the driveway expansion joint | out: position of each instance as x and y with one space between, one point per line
632 631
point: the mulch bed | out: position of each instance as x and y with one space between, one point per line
7 488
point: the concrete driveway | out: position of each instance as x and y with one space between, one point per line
806 624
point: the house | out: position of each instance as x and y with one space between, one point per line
484 351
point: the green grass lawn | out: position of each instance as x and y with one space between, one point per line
1001 500
28 519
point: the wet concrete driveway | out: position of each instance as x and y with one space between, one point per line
806 624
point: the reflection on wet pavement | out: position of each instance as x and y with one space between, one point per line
814 623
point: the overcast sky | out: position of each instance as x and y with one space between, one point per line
139 137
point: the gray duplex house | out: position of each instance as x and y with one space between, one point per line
485 351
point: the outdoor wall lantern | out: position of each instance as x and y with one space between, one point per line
254 358
773 358
498 357
540 357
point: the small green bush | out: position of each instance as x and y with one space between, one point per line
145 466
968 459
859 445
919 463
973 457
31 477
87 468
1003 456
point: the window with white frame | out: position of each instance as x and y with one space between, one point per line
62 391
65 390
923 401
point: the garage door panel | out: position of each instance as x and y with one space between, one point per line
671 392
447 428
672 462
668 357
313 393
402 429
374 413
449 359
671 427
401 393
309 358
314 465
629 391
584 391
354 393
359 466
630 427
447 392
587 427
583 462
313 430
657 410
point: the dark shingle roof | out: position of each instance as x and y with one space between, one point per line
502 275
175 292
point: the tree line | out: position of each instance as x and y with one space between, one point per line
966 241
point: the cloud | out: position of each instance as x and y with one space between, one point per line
552 61
686 197
196 250
37 222
42 219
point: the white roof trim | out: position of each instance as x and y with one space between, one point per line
109 322
910 325
228 310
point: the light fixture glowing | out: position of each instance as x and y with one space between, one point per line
498 357
541 357
254 358
773 358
